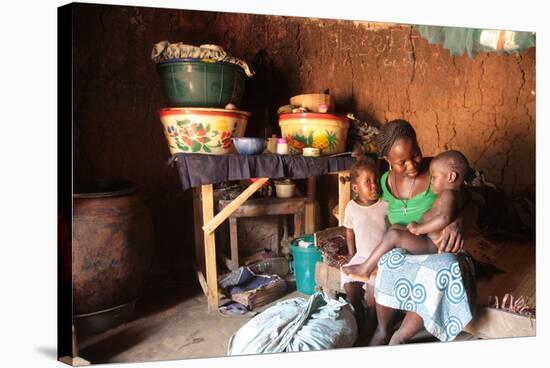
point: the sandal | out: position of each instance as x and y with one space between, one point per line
235 309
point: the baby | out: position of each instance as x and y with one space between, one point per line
448 171
365 223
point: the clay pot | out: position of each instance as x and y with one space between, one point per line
112 250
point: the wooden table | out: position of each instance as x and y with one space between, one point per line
200 172
264 207
205 220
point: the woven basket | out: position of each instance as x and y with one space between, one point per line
261 296
271 266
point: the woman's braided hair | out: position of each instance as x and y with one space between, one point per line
391 132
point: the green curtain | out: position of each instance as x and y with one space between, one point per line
474 40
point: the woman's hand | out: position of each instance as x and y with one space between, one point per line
451 239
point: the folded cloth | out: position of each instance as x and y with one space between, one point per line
254 283
440 288
165 51
239 276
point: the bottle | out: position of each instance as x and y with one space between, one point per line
272 144
282 146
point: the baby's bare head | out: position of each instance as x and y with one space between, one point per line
453 161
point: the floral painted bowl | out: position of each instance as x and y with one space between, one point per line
327 132
202 130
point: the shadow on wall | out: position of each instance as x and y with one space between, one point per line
264 94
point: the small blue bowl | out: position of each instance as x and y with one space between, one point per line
249 146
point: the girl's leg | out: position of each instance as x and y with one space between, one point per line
370 323
354 293
412 323
385 316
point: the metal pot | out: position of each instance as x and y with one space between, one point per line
112 248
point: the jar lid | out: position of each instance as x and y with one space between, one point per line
281 140
311 151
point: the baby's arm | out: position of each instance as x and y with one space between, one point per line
446 205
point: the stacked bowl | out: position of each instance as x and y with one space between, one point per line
199 83
311 127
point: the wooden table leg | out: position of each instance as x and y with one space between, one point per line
312 187
299 222
234 243
343 194
210 223
210 248
197 222
311 210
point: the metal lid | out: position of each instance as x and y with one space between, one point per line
104 188
311 151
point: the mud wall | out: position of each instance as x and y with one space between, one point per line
483 106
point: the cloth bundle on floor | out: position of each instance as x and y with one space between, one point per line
297 324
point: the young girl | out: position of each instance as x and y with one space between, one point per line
448 171
365 222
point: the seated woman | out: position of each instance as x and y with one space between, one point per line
436 291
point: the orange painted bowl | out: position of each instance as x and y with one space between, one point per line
202 130
327 132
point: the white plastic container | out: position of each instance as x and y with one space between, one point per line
282 146
285 189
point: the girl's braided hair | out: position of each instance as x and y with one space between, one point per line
363 163
391 132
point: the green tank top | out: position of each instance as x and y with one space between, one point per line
416 206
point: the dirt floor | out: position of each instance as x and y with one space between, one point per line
171 322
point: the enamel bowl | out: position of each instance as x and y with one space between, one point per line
327 132
202 130
248 145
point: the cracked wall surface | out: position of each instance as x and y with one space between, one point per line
484 106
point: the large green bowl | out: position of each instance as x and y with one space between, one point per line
202 84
